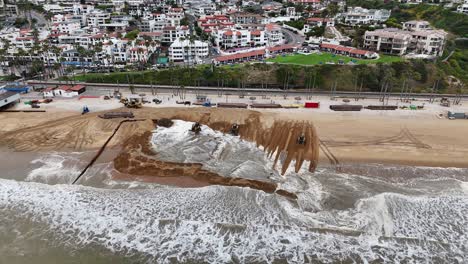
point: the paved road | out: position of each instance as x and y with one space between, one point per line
291 37
105 87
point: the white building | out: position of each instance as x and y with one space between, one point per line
463 8
317 22
363 16
416 25
188 51
273 35
97 18
171 33
399 42
227 38
66 27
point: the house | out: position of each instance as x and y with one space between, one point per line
48 92
362 16
317 22
68 90
348 51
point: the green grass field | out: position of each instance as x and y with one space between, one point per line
323 58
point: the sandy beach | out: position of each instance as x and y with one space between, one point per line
387 137
165 190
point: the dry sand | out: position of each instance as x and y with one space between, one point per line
345 137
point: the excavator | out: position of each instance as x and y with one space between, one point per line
196 128
130 103
301 140
234 129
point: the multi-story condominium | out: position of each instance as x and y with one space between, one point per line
79 9
203 9
188 51
399 42
97 18
66 27
118 50
210 23
81 40
140 52
171 33
463 8
246 18
273 35
315 4
362 16
155 36
226 39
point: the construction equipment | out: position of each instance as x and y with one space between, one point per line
196 128
133 104
301 140
234 129
85 110
444 101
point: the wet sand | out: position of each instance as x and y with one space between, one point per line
344 138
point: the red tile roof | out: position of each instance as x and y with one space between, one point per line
256 33
281 47
64 87
76 88
241 55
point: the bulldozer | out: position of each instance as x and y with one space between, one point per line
196 128
301 140
445 102
234 129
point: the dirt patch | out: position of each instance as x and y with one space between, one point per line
164 122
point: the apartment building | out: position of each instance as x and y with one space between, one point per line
171 33
363 16
188 51
66 27
399 42
97 18
273 35
238 38
246 18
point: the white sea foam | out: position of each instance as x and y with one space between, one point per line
227 224
55 168
222 153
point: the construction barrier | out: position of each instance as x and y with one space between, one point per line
312 104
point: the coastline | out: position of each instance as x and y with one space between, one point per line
351 139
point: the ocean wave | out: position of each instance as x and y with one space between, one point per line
231 224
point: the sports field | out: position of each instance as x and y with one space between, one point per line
323 58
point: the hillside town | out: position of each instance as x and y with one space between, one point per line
57 37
